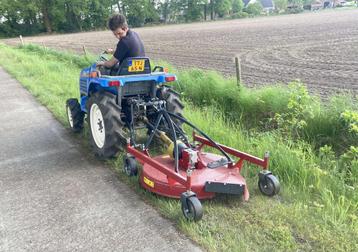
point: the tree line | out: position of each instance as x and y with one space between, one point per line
28 17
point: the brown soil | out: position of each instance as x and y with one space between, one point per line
319 48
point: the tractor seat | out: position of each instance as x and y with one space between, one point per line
132 66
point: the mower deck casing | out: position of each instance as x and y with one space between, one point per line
158 173
205 182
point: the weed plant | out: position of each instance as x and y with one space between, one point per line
317 207
289 109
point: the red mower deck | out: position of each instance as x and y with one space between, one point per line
154 180
158 174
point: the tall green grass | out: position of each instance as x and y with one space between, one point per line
250 107
256 108
317 207
65 57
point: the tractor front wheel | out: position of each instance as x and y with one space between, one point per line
107 134
75 115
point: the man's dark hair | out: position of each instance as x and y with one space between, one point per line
117 21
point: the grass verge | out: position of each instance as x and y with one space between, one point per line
289 109
316 210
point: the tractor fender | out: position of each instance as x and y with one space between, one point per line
93 87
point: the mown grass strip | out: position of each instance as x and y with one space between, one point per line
316 210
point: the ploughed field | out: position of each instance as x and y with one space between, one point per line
319 48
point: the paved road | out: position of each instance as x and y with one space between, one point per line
54 197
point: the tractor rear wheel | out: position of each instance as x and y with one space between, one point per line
173 105
75 115
107 133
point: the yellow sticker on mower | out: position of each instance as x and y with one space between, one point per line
148 182
135 65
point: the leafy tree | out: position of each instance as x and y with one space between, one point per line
237 6
134 10
18 17
151 12
280 5
73 12
193 10
296 3
295 6
164 10
34 16
177 11
140 11
222 7
99 12
211 3
254 9
49 13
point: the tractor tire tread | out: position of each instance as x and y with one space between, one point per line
114 135
77 114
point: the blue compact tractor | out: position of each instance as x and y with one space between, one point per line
120 100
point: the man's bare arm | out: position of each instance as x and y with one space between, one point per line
109 63
109 51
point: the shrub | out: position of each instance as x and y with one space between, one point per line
299 109
280 5
254 9
239 15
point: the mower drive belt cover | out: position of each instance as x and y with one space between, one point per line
227 188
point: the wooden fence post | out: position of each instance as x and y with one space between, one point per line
84 50
238 70
21 40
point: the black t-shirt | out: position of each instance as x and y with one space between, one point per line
129 46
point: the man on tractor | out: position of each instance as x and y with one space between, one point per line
129 45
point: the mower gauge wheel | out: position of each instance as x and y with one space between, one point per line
192 210
130 166
269 185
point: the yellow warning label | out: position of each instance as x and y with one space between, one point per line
148 182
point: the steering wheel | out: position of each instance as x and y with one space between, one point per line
104 57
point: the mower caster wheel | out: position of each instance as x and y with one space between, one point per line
192 209
130 166
268 184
